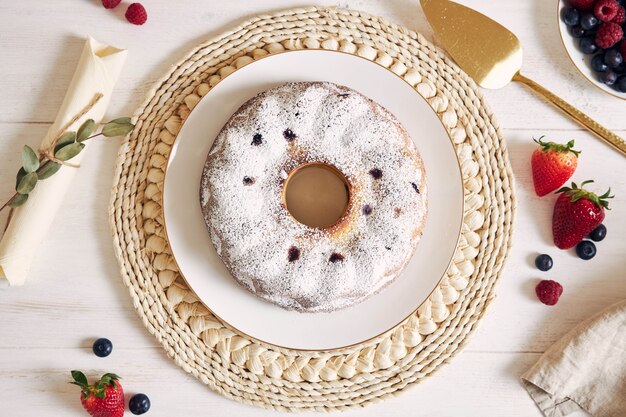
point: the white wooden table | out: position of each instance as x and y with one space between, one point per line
75 294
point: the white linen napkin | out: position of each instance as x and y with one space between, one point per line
585 369
97 72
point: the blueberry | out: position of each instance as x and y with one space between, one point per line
589 21
102 347
336 257
597 63
620 69
570 16
289 135
577 31
377 173
620 85
588 45
613 58
257 139
608 78
543 262
586 250
139 404
598 234
293 254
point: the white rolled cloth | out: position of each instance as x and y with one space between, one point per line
97 72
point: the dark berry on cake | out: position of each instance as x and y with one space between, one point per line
294 254
257 139
367 209
376 173
248 181
336 257
289 135
415 187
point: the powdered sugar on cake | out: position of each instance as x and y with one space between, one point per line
264 247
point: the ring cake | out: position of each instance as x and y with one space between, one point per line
264 247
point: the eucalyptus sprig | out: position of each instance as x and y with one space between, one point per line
37 167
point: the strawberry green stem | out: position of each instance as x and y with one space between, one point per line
558 147
576 193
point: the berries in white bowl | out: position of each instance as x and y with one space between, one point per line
593 35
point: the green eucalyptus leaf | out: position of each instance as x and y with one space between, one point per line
30 160
118 127
27 184
20 174
121 121
66 139
48 169
85 130
18 200
69 151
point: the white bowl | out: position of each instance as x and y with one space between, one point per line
581 61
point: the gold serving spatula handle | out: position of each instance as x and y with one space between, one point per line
586 121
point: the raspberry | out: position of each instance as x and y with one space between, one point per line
620 17
110 4
608 35
606 10
136 14
549 292
584 5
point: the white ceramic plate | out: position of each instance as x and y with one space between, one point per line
203 269
581 61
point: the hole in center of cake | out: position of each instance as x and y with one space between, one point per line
316 194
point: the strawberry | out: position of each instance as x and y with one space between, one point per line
552 165
577 212
103 399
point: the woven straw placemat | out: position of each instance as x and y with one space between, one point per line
241 368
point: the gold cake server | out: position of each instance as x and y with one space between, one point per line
492 55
